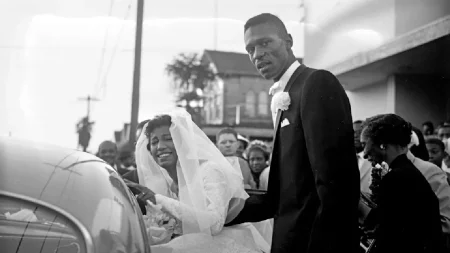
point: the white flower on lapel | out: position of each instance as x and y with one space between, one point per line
281 101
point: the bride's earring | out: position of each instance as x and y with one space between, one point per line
382 146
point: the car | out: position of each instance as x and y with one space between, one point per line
54 199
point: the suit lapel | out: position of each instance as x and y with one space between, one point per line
286 89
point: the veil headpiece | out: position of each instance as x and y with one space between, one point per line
194 150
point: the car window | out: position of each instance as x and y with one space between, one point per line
28 227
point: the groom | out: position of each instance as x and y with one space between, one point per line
313 190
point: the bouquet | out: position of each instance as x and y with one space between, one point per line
378 172
161 227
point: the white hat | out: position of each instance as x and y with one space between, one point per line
242 138
414 140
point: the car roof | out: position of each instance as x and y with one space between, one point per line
43 171
76 182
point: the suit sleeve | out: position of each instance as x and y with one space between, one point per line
258 207
327 124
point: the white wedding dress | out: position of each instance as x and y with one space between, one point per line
239 238
209 193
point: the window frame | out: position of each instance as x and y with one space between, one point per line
265 105
88 242
253 104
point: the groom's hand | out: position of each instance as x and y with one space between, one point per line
147 195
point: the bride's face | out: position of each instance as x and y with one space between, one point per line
162 147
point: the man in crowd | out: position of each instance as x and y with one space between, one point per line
109 153
363 164
227 143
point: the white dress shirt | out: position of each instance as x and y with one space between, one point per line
365 172
279 87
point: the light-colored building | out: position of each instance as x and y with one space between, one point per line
391 56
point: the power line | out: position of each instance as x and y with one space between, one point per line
102 90
102 58
216 25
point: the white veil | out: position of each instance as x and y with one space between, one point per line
194 149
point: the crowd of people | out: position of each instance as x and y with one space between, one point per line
422 178
380 186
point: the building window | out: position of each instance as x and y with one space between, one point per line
218 108
250 101
263 106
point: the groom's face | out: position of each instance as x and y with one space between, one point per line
268 49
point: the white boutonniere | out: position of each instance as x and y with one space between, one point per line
281 101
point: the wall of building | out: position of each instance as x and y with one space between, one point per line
334 32
337 30
214 103
411 14
421 98
235 90
371 100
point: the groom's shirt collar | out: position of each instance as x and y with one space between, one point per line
280 85
287 75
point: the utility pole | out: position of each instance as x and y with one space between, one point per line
137 73
303 22
89 99
84 125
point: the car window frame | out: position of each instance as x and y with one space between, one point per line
88 242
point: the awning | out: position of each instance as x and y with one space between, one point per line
425 50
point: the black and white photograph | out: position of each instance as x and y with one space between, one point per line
225 126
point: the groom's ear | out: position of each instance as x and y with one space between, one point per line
290 40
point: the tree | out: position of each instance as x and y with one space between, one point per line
190 77
84 128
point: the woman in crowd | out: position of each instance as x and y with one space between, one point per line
258 157
407 214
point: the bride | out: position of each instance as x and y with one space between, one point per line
186 178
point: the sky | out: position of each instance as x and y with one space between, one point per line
51 55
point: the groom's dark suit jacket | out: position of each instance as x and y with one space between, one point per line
313 190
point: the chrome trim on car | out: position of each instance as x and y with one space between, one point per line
87 236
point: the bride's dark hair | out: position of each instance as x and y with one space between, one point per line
157 121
